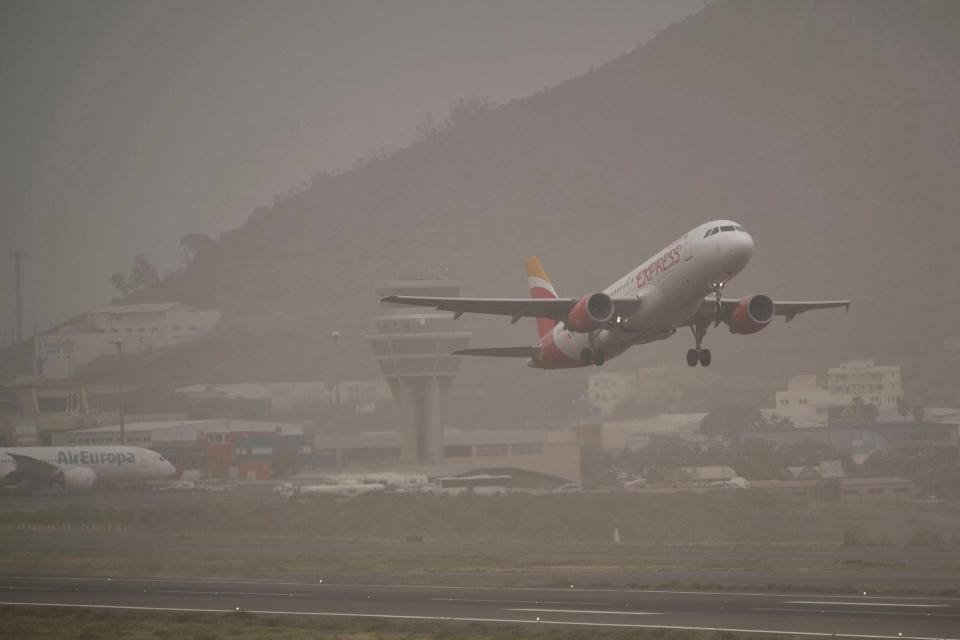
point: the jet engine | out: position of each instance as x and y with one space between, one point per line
77 478
590 313
752 314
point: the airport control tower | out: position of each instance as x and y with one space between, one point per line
413 345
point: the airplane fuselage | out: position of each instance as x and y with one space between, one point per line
671 287
680 286
109 463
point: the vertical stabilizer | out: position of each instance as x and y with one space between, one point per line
540 287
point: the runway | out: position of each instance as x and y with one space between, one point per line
813 615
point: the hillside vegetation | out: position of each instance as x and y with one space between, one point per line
827 128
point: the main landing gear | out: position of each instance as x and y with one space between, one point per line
593 356
699 355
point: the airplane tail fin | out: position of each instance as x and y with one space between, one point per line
540 287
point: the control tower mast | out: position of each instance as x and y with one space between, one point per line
413 346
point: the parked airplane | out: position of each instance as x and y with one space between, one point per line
290 491
79 468
681 286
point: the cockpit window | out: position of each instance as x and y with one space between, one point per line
726 228
708 233
738 227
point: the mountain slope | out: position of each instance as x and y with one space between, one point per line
828 129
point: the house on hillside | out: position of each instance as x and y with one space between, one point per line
139 327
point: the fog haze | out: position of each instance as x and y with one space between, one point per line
129 125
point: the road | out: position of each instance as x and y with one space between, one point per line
759 613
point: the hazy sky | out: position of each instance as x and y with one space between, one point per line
127 125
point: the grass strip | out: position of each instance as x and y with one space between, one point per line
83 624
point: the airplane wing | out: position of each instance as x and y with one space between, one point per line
554 308
31 468
788 309
500 352
791 310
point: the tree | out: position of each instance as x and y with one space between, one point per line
192 244
468 108
143 274
903 407
918 413
865 413
427 128
776 421
731 421
120 283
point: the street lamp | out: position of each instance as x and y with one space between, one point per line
335 339
123 431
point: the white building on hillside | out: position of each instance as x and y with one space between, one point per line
877 385
141 327
806 404
607 391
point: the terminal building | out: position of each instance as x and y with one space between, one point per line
412 346
553 452
33 413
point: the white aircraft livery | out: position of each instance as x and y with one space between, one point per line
681 286
79 468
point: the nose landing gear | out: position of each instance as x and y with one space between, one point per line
718 294
699 355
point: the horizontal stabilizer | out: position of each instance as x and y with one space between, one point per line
500 352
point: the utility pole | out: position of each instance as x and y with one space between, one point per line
335 339
123 431
19 296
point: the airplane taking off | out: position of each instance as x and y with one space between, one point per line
79 468
681 286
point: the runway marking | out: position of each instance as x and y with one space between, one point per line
493 601
233 593
617 613
816 634
347 585
872 612
864 604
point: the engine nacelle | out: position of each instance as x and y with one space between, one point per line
590 313
752 314
78 478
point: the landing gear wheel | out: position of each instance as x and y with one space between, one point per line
705 357
599 357
586 356
693 357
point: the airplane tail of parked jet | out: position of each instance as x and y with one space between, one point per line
541 288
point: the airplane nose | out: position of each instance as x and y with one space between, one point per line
740 250
747 241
